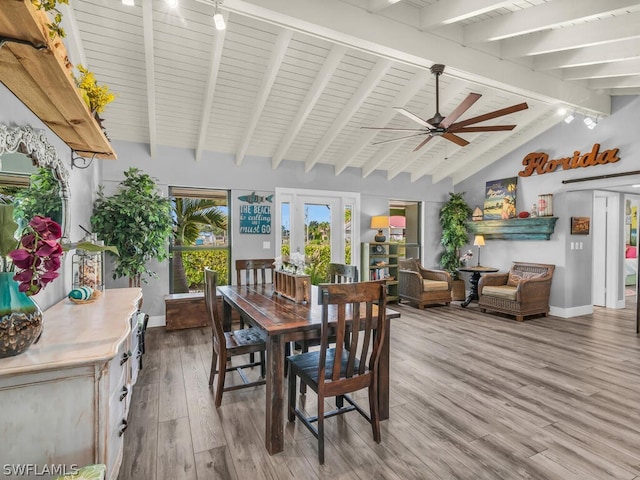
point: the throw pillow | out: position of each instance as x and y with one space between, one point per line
516 276
632 252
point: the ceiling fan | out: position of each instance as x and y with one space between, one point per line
440 126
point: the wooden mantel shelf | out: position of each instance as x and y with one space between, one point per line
538 228
41 78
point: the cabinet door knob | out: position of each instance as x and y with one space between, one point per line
125 357
123 427
125 392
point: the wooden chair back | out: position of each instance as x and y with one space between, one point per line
254 271
361 351
340 273
210 300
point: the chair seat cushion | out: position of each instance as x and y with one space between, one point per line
306 364
502 291
434 285
245 336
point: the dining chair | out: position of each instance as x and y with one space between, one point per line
343 369
229 344
341 273
338 273
253 271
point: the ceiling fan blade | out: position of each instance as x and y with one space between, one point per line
423 143
463 107
489 116
413 117
423 130
455 139
488 128
397 139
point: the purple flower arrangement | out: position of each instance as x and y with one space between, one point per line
38 256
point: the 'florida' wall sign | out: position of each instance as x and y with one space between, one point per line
538 162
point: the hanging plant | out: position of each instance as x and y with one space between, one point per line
51 6
97 97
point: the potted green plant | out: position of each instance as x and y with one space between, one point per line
137 221
453 220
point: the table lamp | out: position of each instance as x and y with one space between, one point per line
478 241
380 222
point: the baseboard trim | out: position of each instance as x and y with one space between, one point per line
571 312
157 321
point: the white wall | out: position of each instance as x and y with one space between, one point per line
177 167
82 182
572 281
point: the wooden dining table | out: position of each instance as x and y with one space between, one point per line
282 320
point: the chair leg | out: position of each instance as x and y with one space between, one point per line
214 359
321 430
374 411
291 416
262 371
340 401
221 374
287 352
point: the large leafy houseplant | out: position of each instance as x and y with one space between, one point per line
137 221
453 220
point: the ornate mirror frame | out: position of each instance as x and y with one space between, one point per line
36 146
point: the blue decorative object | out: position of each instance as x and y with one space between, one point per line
20 318
81 293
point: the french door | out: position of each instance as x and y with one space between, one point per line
319 224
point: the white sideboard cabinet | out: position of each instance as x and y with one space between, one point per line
65 400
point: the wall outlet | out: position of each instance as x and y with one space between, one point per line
266 245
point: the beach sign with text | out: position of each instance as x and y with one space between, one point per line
255 218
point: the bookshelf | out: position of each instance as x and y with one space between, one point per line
380 261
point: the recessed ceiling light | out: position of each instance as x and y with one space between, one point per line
637 185
172 3
129 3
561 110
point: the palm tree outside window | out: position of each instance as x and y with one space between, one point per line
200 237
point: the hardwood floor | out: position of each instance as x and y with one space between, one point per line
473 396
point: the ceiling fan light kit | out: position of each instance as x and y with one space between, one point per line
440 126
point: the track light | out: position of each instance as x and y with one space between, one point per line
590 123
129 3
569 118
218 19
561 110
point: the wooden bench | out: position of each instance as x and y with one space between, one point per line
185 310
188 310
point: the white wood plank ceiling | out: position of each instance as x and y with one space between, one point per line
296 80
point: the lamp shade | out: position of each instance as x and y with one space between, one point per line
478 241
381 221
397 221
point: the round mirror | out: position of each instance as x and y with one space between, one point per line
32 177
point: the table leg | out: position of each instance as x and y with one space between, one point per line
274 421
473 289
383 374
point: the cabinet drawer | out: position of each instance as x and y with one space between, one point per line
119 363
118 404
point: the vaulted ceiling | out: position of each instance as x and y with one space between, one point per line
297 79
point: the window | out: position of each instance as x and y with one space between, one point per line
200 237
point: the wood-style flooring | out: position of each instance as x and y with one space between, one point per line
473 396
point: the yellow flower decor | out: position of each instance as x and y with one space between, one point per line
48 6
96 96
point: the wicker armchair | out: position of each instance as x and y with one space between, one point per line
421 286
521 292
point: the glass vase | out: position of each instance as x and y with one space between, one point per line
20 318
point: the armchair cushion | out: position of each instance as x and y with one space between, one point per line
434 285
504 291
